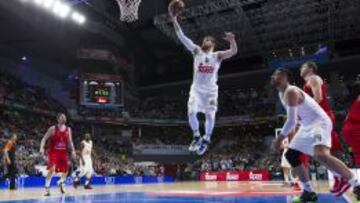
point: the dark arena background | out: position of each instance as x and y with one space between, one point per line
118 72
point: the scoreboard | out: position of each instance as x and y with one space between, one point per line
100 90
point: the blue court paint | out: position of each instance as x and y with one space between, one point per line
145 198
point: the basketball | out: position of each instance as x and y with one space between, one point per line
176 7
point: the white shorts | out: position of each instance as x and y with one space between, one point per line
284 162
308 137
86 167
202 101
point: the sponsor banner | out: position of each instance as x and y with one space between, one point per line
161 150
24 182
235 176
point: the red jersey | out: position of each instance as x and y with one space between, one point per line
59 141
324 103
353 118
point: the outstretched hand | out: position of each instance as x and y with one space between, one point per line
229 36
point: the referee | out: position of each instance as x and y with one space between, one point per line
9 160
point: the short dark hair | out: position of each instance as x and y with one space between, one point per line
312 65
212 38
285 72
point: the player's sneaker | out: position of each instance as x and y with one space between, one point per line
47 191
88 187
357 192
337 181
76 183
203 146
61 187
308 196
343 187
194 144
296 186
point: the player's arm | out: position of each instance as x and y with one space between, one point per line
291 121
72 148
230 37
8 147
48 134
315 85
188 43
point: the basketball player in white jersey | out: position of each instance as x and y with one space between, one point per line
86 164
204 89
313 137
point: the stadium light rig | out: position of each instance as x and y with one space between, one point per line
60 9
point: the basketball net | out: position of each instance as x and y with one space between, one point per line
129 10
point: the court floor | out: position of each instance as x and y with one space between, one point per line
187 192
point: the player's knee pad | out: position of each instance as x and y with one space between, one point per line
293 157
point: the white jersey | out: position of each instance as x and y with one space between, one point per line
206 68
309 111
86 152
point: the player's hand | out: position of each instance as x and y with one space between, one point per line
8 161
229 36
73 155
277 143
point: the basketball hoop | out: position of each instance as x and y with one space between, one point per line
129 10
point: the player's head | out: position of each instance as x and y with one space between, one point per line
208 43
308 68
87 136
14 137
280 77
61 118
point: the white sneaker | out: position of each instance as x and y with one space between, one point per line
194 144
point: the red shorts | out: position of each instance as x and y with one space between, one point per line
59 160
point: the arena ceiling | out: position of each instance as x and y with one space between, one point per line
263 27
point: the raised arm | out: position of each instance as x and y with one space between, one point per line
230 37
315 83
48 134
188 43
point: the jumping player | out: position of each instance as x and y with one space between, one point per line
204 89
313 137
86 164
60 138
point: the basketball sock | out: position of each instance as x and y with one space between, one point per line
354 181
62 179
87 182
209 125
194 124
286 178
307 186
47 182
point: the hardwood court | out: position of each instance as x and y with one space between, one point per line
234 192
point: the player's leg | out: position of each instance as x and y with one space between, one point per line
88 179
293 156
51 172
286 174
299 145
61 182
193 120
323 155
322 147
209 127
